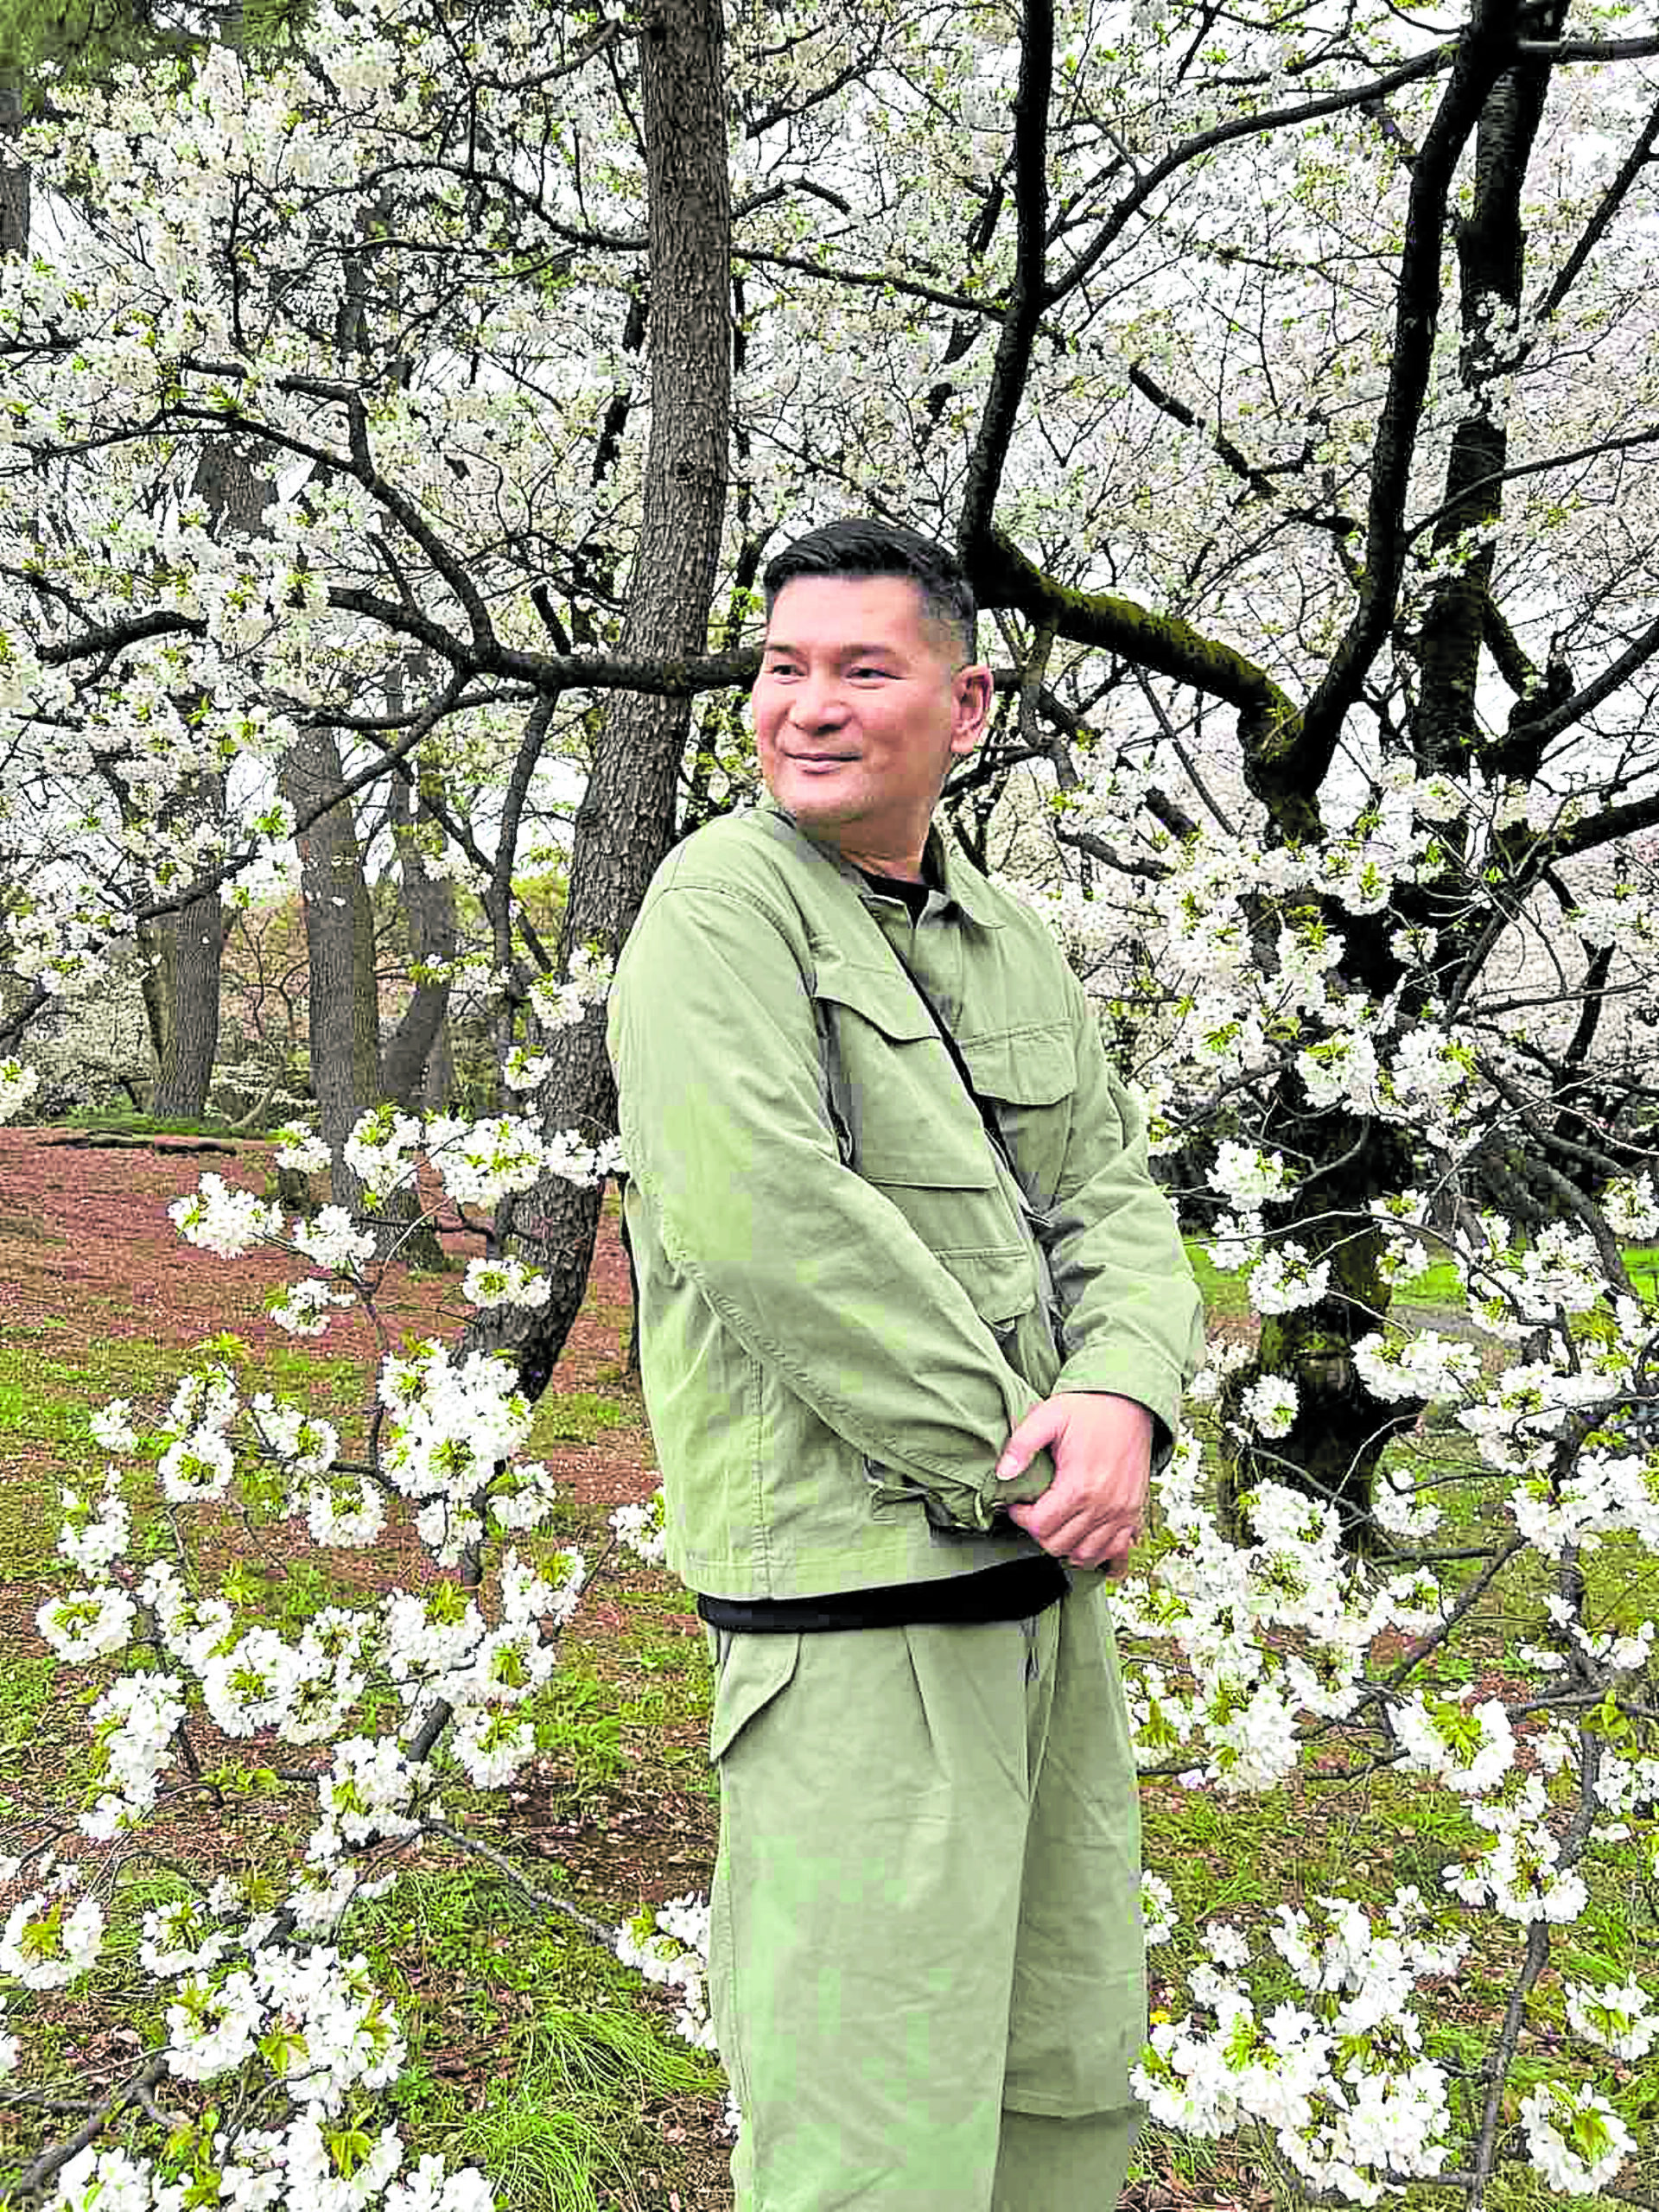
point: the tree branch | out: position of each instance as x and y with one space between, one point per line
1002 576
1247 126
1583 703
1483 52
543 1899
14 1025
1606 208
115 637
1025 295
1591 452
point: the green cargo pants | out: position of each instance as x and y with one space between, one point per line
926 1968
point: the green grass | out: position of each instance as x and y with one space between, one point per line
1438 1284
26 1702
533 2052
570 2059
45 1430
575 1417
126 1123
1222 1295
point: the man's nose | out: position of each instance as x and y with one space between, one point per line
817 702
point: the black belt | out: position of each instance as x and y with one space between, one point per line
1011 1591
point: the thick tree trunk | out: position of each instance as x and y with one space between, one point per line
438 1083
184 950
1491 245
152 987
625 822
14 177
182 961
1341 1431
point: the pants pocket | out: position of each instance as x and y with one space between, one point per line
750 1672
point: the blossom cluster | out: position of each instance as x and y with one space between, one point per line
1340 2079
478 1163
18 1084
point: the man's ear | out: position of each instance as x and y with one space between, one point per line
971 692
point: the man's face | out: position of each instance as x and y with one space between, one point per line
860 706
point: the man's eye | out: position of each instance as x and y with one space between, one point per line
861 673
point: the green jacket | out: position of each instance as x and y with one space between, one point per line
841 1307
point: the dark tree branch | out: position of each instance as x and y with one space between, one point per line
1509 657
1591 452
1484 51
13 1025
1247 126
1586 49
1002 576
1572 710
1025 296
113 637
1606 208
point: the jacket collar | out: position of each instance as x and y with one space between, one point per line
961 882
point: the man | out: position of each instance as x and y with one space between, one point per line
913 1319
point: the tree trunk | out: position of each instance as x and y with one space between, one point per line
192 944
152 989
340 943
429 923
185 951
438 1083
14 178
181 960
343 1007
1341 1431
625 822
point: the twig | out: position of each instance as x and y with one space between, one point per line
1470 1597
502 1865
35 2177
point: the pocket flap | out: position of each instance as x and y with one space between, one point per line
754 1668
1027 1067
883 996
1001 1280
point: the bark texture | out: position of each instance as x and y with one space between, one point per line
343 1009
190 946
1340 1432
14 178
186 951
343 1014
429 923
626 821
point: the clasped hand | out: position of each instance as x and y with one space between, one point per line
1095 1508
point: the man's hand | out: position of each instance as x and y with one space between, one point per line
1095 1508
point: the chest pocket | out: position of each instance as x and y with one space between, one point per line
1028 1076
906 1124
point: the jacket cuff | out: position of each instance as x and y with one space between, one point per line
1163 1403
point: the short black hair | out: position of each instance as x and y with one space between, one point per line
862 547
